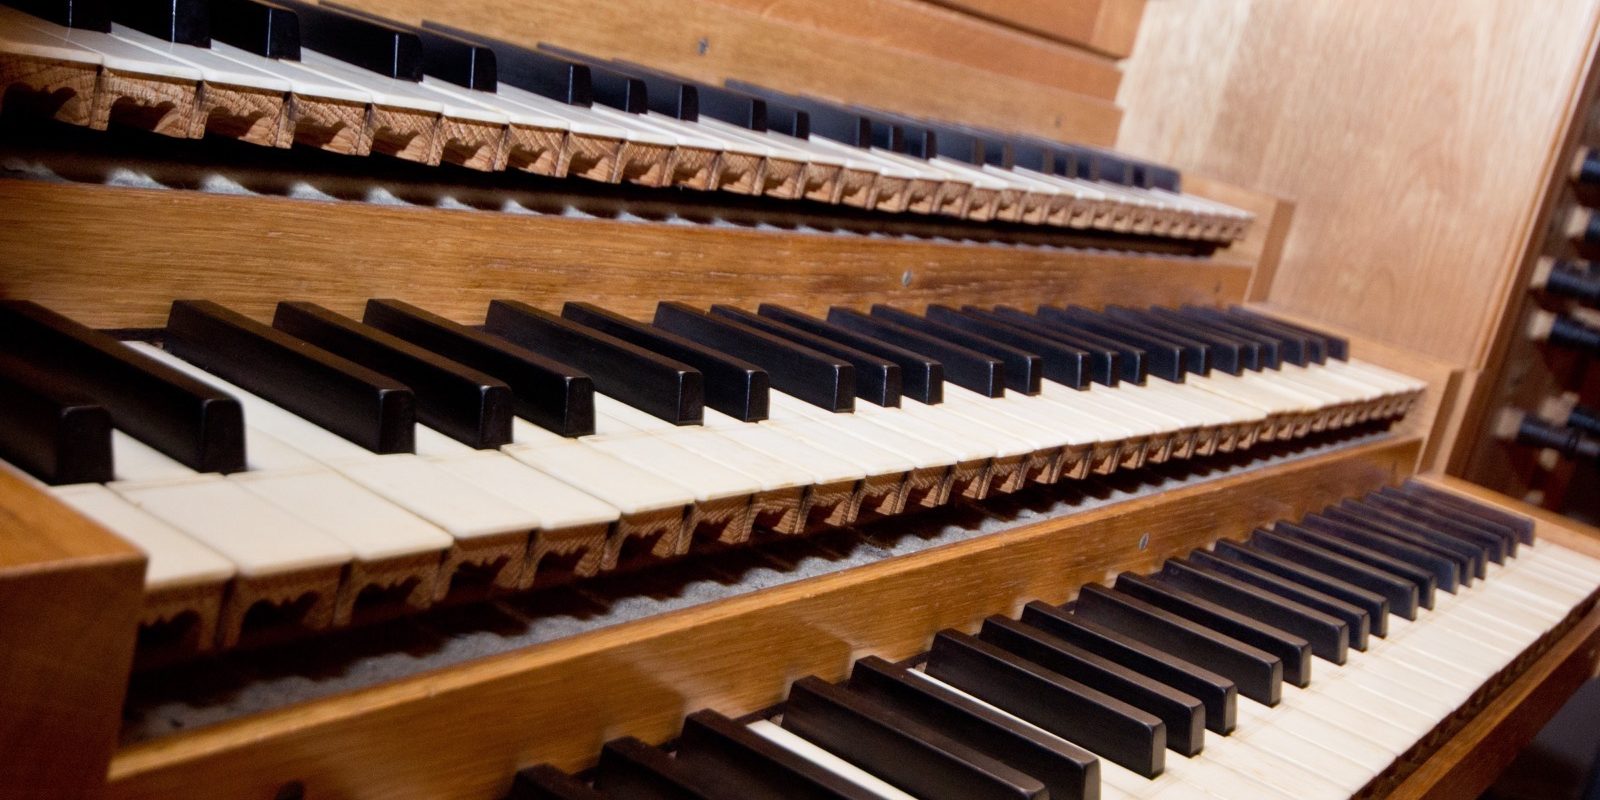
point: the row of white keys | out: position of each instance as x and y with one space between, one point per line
405 480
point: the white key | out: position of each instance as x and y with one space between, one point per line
556 504
174 559
458 507
114 53
136 462
258 537
822 466
213 68
770 473
828 761
372 527
923 454
626 487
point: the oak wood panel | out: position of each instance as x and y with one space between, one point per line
1109 26
461 733
1414 138
926 29
712 42
70 598
117 257
1262 244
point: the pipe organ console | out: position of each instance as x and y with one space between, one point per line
408 400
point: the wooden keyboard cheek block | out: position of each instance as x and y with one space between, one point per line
461 733
71 595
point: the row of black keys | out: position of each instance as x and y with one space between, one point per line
1128 672
276 30
370 381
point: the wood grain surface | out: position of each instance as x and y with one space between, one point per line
145 248
1414 138
1108 26
70 599
921 27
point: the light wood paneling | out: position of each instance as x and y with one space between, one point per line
1108 26
1414 138
117 257
916 26
462 733
70 598
713 42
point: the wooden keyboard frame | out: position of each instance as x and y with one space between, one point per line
462 732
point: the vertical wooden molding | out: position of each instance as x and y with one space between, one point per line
70 597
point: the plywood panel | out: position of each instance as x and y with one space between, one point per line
118 257
926 29
1414 138
712 43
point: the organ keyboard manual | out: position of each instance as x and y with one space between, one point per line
726 400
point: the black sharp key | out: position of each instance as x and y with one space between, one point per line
814 377
898 749
1448 573
545 782
1250 348
461 402
1135 360
1292 650
360 404
546 74
1336 347
734 108
633 770
1023 370
1476 556
266 29
921 377
1499 542
548 393
877 379
613 88
1061 362
1227 355
199 426
1413 502
756 767
667 95
459 61
1328 636
1424 571
1196 354
1522 525
1216 694
1292 348
964 367
1092 719
89 15
1269 347
1165 360
1183 715
1065 769
49 428
1358 625
1316 345
652 383
359 40
733 386
1374 604
177 21
1401 594
1104 363
1257 673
